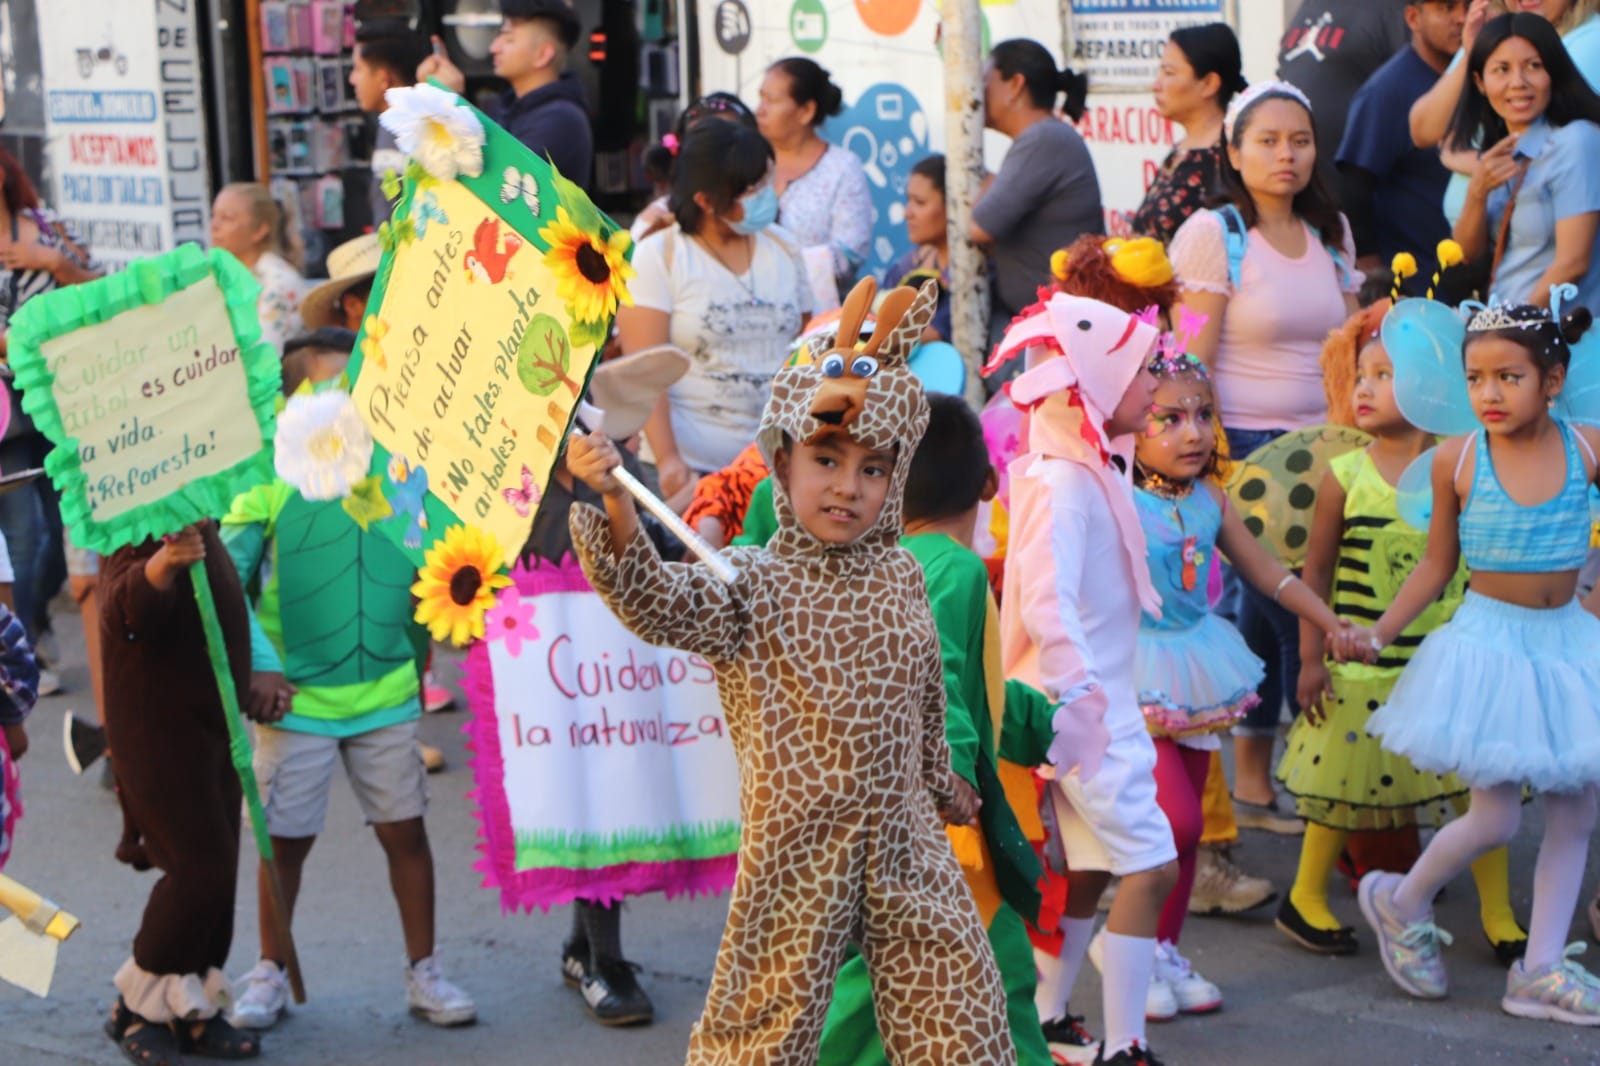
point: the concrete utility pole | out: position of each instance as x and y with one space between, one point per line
962 35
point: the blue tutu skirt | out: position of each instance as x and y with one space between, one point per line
1502 695
1195 681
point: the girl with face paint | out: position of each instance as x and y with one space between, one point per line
1196 678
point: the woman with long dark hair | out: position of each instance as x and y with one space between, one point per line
1272 270
1534 201
1046 194
1201 72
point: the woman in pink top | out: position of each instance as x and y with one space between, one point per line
1273 271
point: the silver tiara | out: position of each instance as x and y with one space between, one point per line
1497 315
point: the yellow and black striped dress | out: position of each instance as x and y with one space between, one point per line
1341 777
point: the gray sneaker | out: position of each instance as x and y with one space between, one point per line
1410 951
1560 992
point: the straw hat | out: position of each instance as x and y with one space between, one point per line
350 264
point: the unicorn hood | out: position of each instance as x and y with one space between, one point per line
1082 357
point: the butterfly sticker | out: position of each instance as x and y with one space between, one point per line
427 207
372 343
408 489
520 183
525 499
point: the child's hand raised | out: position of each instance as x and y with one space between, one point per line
177 553
591 457
963 806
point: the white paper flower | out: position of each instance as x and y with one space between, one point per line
431 126
322 448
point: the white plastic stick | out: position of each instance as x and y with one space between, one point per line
677 526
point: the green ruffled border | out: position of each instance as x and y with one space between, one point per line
146 281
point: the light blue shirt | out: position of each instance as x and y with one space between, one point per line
1561 182
1583 45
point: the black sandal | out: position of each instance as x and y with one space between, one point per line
219 1040
1341 941
152 1044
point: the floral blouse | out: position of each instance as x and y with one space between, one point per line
1186 181
282 289
830 206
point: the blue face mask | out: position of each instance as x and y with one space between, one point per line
760 211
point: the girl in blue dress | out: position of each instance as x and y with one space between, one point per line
1508 691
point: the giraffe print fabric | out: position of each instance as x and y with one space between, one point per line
829 671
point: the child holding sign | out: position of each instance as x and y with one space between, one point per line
180 796
828 663
335 619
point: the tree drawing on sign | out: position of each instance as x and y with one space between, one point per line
545 357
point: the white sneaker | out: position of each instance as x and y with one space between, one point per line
1195 995
49 683
1160 1004
433 997
261 997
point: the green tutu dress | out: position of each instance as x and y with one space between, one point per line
1339 776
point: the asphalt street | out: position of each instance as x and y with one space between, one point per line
1283 1005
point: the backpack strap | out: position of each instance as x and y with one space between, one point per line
1236 235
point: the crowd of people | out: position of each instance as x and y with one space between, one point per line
1052 633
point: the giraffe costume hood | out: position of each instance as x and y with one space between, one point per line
829 670
866 391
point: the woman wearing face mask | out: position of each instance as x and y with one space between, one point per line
1273 271
1534 201
1046 194
725 285
1201 72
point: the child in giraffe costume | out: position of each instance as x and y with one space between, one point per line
828 663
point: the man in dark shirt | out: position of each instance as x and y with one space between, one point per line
544 107
1393 191
1329 50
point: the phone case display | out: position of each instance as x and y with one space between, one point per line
315 130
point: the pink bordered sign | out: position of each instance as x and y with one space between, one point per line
602 765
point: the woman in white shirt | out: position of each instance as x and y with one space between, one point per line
726 286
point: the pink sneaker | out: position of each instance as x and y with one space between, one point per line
435 697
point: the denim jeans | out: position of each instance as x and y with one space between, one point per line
1271 633
22 521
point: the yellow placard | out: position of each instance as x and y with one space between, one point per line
156 398
467 363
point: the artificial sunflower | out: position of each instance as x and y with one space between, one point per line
457 584
591 272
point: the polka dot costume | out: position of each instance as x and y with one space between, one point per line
1275 486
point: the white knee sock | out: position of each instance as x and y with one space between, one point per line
1558 876
1126 965
1058 973
1491 820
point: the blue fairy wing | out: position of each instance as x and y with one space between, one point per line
1413 496
1423 339
1580 396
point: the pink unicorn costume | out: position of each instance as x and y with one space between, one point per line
1076 578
